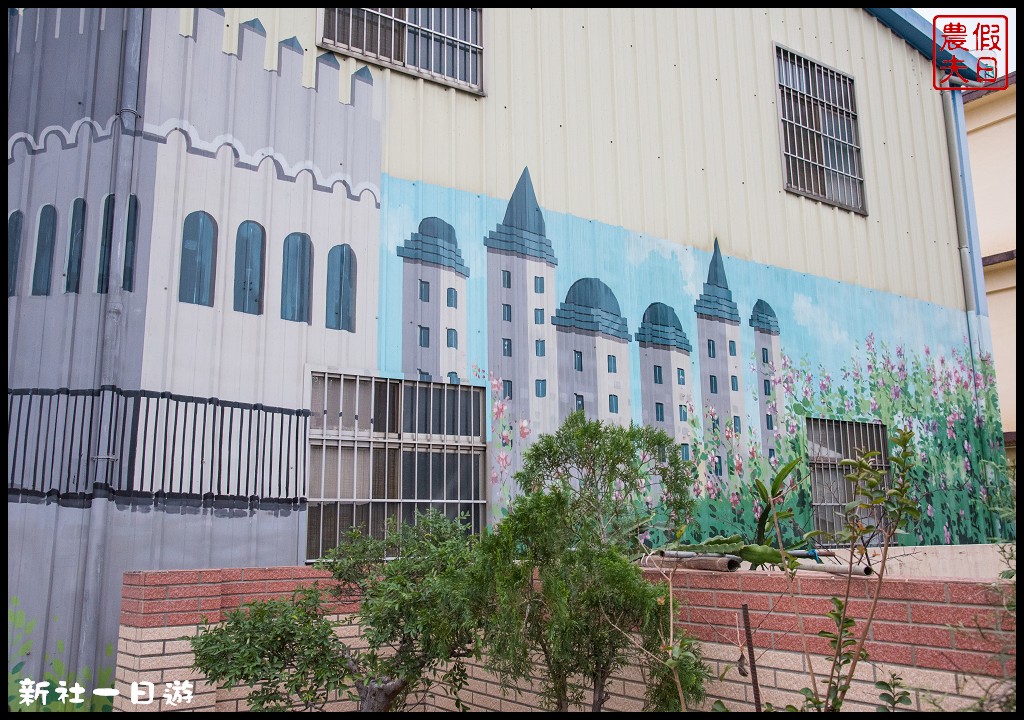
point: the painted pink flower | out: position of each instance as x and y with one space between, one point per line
774 461
506 438
947 534
734 500
967 464
961 512
757 509
869 342
495 384
753 451
524 429
927 351
874 405
978 421
896 392
931 510
983 492
499 409
967 447
504 460
494 477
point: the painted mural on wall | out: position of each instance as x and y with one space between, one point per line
730 358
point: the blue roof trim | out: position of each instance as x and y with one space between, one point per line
292 43
435 243
661 326
716 300
763 318
591 305
255 25
363 74
523 231
917 31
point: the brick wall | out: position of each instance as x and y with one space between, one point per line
941 636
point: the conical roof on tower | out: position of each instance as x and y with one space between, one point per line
591 305
661 326
716 300
523 231
435 242
763 318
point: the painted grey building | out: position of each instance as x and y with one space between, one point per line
521 348
433 304
718 336
593 353
767 358
666 377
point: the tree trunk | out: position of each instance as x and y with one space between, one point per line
377 696
600 696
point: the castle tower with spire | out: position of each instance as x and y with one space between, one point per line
593 353
767 357
434 276
666 379
521 347
718 333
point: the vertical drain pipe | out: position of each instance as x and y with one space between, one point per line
968 240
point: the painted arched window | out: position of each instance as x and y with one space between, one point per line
106 244
44 250
250 246
131 244
296 278
76 245
341 288
198 259
14 222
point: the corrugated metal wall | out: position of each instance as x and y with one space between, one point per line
664 121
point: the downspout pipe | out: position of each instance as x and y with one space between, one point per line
968 237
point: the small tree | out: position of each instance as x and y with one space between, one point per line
417 618
560 570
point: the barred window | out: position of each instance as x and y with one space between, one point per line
440 44
384 449
829 442
820 139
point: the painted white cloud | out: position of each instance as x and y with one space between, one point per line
819 323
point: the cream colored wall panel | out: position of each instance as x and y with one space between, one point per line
664 121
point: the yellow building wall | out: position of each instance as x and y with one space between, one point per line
992 142
664 121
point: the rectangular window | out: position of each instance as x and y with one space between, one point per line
718 465
680 376
506 347
424 336
579 401
684 452
424 291
711 348
829 442
613 365
440 44
736 423
538 284
453 298
577 361
713 384
538 316
769 422
682 413
366 463
506 279
540 387
771 453
767 388
539 347
732 348
657 374
506 312
764 355
506 388
453 338
734 383
659 412
613 404
820 139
